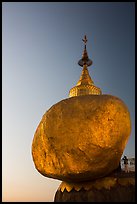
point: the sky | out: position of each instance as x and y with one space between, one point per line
41 46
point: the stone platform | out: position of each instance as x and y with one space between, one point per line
117 187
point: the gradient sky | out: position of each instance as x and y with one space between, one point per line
41 45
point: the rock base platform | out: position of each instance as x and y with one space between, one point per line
117 187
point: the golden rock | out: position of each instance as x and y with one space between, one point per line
81 138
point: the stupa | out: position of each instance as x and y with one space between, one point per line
85 85
80 140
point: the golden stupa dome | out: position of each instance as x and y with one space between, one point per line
85 85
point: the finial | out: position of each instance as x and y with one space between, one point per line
85 39
85 59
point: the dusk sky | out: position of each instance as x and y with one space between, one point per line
41 46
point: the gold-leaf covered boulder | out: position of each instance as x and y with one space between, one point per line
81 138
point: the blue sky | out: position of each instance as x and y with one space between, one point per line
41 46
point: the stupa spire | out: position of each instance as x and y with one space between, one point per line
85 85
85 59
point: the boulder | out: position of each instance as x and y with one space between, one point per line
81 138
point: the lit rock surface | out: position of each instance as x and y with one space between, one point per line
81 138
